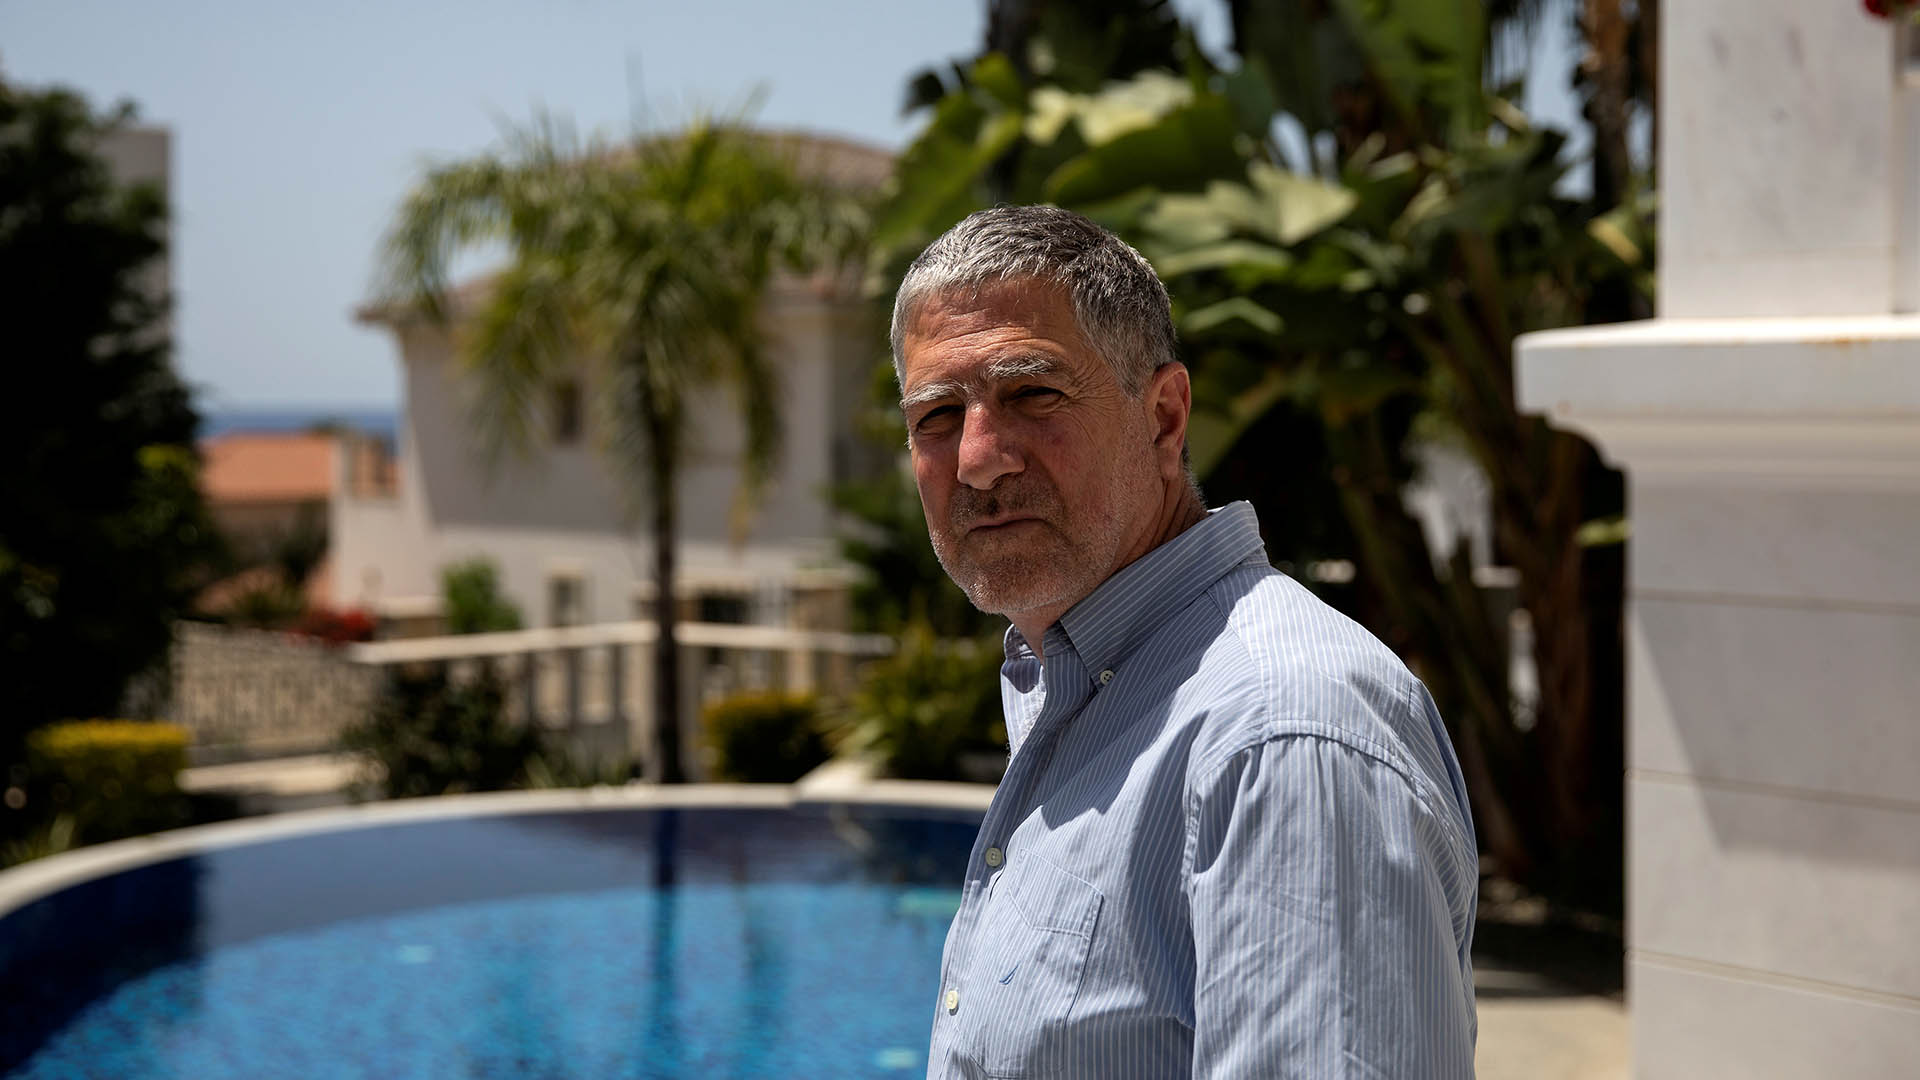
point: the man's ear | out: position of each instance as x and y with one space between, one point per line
1169 399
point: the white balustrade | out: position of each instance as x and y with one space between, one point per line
595 682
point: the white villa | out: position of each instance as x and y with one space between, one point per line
563 527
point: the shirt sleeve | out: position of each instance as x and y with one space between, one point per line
1332 917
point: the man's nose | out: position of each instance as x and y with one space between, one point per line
987 449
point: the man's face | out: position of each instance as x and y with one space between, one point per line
1036 469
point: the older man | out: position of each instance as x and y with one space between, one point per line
1232 839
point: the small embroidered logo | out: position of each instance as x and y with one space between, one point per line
1008 977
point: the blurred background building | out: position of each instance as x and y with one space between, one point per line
563 526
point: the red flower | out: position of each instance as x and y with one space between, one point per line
338 627
1886 9
356 625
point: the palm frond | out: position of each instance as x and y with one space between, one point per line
643 265
514 347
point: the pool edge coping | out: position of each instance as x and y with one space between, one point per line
32 881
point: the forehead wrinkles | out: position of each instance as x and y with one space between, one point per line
978 340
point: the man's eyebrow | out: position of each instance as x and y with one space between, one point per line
933 391
1023 366
1018 366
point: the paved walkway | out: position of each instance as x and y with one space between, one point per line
277 785
309 775
1532 1028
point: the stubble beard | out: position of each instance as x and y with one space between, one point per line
1049 565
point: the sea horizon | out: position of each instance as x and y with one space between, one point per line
378 420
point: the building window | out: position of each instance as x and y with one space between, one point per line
724 607
566 600
566 412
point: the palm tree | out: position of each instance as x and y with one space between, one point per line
639 269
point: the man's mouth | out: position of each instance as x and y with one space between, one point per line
992 525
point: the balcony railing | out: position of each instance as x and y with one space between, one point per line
595 682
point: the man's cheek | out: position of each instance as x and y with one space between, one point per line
932 504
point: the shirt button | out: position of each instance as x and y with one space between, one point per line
994 857
953 1000
1106 677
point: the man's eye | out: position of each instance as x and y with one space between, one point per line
1038 392
935 418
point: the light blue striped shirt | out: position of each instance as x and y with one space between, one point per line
1232 841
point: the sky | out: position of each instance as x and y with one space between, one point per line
297 128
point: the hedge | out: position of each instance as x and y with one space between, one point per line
115 778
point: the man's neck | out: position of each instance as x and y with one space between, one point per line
1183 512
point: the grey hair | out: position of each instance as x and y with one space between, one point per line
1118 301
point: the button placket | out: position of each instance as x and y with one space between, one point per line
1016 797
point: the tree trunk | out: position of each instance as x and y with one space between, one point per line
1574 604
666 766
1647 26
1608 79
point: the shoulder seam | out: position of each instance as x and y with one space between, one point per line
1271 729
1327 733
1269 691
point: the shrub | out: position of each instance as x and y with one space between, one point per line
470 597
270 605
929 707
112 778
431 736
763 737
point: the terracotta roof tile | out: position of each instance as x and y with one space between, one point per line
267 467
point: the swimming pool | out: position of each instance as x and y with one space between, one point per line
798 941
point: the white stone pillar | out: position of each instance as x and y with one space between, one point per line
1769 426
1906 176
1778 159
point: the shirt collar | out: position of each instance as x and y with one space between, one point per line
1111 620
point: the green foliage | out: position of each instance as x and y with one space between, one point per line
269 605
38 842
108 779
764 737
470 597
555 769
1342 293
431 736
102 530
924 710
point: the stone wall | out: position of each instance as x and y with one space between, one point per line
255 693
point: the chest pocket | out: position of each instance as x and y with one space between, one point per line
1027 972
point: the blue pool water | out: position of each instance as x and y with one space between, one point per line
631 943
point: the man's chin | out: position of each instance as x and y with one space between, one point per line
1014 591
1029 571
